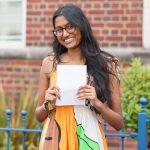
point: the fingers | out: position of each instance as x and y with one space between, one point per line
50 97
86 96
86 92
86 89
52 93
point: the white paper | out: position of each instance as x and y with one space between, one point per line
69 79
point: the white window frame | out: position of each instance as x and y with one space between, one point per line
22 43
146 24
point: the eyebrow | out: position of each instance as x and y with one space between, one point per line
62 27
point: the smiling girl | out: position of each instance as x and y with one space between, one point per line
78 127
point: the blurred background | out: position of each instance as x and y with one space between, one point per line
122 27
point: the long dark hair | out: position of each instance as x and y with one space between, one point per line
96 59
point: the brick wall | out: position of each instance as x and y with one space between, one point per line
17 74
115 23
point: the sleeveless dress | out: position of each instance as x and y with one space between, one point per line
72 128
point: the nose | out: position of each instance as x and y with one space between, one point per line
65 33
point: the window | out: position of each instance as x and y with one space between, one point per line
12 23
146 24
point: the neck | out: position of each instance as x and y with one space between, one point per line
75 54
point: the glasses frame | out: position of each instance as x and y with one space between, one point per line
66 29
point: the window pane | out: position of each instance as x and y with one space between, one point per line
10 20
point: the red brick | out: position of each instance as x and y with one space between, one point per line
123 44
51 1
115 5
124 5
133 38
133 32
133 25
104 44
115 25
97 18
70 1
34 25
34 38
114 32
134 18
35 63
97 5
96 12
29 19
34 13
134 12
100 38
113 38
114 44
114 12
98 24
124 18
2 69
48 13
29 7
34 1
9 81
52 6
105 32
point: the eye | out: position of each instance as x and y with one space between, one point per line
58 30
69 26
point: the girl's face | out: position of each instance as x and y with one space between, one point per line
67 35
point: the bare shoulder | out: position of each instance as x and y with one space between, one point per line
47 64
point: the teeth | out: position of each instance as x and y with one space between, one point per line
68 40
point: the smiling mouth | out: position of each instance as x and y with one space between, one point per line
67 41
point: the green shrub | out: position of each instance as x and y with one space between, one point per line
135 85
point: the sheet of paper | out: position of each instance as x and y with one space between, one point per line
69 79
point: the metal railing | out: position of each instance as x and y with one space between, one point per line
24 130
141 134
142 129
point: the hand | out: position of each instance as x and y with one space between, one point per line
87 92
51 94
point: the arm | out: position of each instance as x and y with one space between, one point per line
46 68
112 114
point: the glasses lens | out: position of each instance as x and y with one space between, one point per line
70 28
58 32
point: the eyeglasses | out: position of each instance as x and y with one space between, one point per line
59 30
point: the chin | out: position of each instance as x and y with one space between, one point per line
71 46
